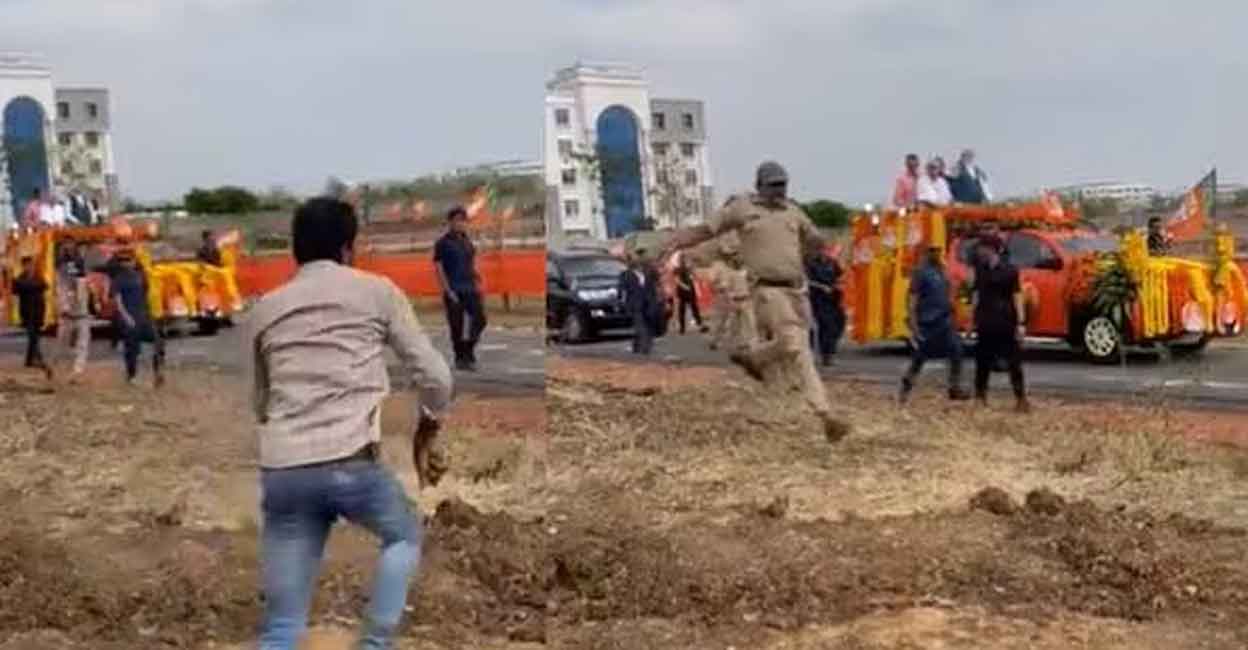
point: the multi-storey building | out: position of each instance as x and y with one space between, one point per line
54 140
85 143
615 160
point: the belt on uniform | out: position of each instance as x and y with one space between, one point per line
780 284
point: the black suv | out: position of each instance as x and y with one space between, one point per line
582 294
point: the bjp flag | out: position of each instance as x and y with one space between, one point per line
1196 210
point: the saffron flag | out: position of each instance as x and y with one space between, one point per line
1195 211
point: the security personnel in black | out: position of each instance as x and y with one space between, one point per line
454 258
823 275
999 322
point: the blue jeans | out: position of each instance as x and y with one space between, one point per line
300 505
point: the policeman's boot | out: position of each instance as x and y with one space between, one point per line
834 429
957 394
747 364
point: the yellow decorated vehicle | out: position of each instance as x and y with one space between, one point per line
178 291
1094 291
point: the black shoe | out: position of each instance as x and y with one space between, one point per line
958 395
903 395
828 360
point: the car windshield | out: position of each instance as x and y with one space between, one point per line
584 267
1090 244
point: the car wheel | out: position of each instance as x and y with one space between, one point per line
575 329
1189 349
208 326
1100 340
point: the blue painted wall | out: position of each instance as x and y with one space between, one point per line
27 151
620 165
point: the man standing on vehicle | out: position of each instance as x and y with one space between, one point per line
134 321
933 333
208 253
775 233
999 328
932 188
1158 240
454 257
905 188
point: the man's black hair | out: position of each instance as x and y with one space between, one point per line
913 156
36 193
206 234
1154 221
322 227
456 211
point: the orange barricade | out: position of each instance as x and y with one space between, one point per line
515 272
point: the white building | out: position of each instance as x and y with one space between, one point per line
26 101
53 139
614 158
1124 193
85 144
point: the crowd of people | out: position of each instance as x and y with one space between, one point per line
938 186
49 209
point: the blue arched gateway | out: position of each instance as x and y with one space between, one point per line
25 152
619 162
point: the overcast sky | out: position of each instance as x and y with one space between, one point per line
266 92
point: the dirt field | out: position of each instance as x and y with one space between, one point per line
645 507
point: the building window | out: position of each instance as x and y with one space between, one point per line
687 120
67 168
565 148
562 117
93 139
691 206
660 175
93 110
686 149
660 149
62 110
65 139
97 167
569 177
660 121
572 209
691 177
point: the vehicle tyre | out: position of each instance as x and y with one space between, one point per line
208 326
1100 340
575 328
1189 349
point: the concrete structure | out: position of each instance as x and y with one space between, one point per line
614 158
56 139
85 144
1124 193
27 105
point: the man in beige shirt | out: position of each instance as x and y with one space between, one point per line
774 232
318 345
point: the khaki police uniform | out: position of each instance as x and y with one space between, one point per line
772 241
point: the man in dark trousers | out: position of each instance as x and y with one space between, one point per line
687 295
1158 240
999 328
31 292
639 292
823 274
134 321
454 256
933 333
209 252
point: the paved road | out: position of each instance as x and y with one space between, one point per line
1216 378
512 362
